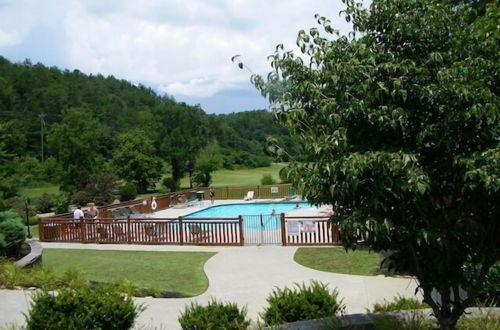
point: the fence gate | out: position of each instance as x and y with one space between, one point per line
262 229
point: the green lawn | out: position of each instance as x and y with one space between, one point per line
180 272
33 231
34 192
241 177
336 260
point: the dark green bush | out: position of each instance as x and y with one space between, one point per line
170 184
490 291
45 203
12 233
102 188
301 303
127 192
9 187
399 304
61 204
15 204
267 179
82 308
216 315
81 198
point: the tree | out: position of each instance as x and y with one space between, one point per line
74 143
135 159
102 187
208 160
401 118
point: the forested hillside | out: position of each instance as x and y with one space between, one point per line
76 130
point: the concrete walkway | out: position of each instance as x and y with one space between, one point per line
245 275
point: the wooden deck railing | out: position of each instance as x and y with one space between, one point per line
309 231
167 200
178 231
303 230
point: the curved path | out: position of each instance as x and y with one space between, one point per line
245 275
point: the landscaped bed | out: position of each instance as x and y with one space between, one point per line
166 273
337 260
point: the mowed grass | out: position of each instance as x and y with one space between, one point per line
337 260
33 231
35 192
241 177
180 272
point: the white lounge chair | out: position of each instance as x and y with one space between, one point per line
249 195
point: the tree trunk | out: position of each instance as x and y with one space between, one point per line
447 322
446 312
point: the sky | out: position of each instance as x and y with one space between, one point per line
182 48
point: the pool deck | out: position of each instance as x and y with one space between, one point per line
175 212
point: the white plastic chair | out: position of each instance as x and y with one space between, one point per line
249 195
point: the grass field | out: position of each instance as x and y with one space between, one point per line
241 177
33 231
180 272
34 192
336 260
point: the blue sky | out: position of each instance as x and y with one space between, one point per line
179 47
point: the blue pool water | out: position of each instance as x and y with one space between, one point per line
234 210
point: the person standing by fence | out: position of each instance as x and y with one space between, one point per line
212 194
92 211
78 213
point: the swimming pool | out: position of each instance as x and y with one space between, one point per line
234 210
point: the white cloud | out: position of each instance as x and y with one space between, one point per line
9 39
184 46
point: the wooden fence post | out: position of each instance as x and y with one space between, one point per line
82 230
227 192
181 232
283 233
129 231
242 237
41 231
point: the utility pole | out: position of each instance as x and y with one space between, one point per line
42 128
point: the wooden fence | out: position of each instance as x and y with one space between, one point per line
309 231
287 230
178 231
228 192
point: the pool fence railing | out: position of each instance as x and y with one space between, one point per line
130 223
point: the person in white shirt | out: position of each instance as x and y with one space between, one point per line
78 214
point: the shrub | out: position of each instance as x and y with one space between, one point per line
301 303
170 184
267 179
15 204
34 220
413 321
128 191
399 304
216 315
490 290
102 188
51 170
9 187
45 203
30 170
82 308
10 274
61 204
12 234
81 198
